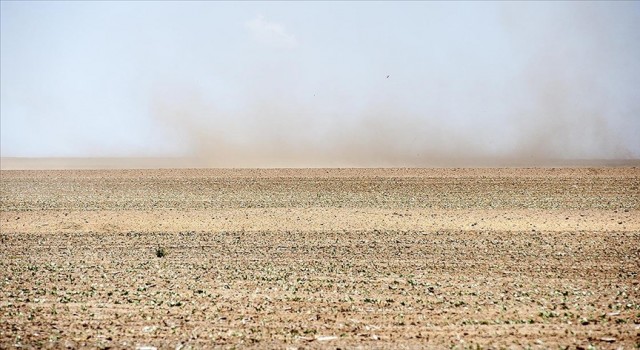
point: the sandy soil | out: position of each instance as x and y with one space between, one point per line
320 258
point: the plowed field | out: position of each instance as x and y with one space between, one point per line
321 258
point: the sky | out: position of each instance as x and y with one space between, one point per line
320 83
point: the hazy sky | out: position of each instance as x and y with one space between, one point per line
305 83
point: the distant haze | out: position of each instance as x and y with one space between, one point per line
314 84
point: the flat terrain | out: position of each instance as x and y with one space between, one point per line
321 258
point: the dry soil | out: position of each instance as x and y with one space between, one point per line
321 258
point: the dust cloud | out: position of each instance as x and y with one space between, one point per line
457 84
550 126
556 106
272 134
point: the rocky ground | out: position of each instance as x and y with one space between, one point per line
319 258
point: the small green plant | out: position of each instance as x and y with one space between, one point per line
161 252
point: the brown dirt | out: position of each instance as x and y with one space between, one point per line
319 258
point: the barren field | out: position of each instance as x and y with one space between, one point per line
321 258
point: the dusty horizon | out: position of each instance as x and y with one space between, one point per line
100 163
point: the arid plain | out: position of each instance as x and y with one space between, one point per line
321 258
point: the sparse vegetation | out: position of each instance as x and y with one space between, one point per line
340 258
161 252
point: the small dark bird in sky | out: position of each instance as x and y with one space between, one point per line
387 77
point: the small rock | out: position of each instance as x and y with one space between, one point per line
326 337
149 329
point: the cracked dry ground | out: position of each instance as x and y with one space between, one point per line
372 258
